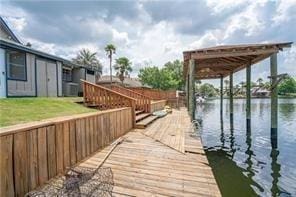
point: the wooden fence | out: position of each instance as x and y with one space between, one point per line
142 102
158 105
33 153
155 94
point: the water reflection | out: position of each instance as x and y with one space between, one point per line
243 161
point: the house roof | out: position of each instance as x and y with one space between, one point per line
5 27
218 61
13 45
131 82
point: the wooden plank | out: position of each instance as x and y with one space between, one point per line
32 147
87 136
83 138
95 133
42 155
72 128
51 151
78 140
106 130
100 131
60 148
91 135
66 148
20 164
6 166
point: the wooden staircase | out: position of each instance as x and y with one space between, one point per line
144 119
102 98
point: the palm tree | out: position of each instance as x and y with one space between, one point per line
123 68
226 86
260 81
89 59
110 50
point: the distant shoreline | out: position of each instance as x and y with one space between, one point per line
267 97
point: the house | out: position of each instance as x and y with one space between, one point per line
25 71
260 92
128 81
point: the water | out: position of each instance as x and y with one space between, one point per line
244 164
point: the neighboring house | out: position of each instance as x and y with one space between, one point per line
128 82
260 92
25 71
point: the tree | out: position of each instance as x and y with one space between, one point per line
110 50
89 59
207 90
123 68
175 69
226 82
287 86
260 81
168 77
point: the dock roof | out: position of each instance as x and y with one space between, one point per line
214 62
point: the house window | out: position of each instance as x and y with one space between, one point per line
16 65
67 75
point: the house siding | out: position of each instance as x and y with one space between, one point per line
24 88
60 73
78 74
90 78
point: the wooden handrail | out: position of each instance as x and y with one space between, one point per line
104 98
142 102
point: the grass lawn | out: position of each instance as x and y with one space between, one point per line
21 110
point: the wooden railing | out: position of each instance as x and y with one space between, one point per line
33 153
155 94
142 102
104 98
158 105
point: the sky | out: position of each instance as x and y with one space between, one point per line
154 32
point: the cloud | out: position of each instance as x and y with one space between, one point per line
153 32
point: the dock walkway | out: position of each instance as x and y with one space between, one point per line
162 160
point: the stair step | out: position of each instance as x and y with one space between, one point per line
145 122
142 116
139 112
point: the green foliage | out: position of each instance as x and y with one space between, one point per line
88 59
287 86
123 67
110 49
207 90
168 77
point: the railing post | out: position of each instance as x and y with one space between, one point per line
133 113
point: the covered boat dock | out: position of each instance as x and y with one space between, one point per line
222 61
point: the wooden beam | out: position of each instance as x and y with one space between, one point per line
216 54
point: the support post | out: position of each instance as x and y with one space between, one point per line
221 96
187 91
274 100
231 99
248 95
191 89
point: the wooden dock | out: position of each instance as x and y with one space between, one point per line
162 160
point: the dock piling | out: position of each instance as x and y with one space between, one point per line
221 96
248 96
191 89
274 100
